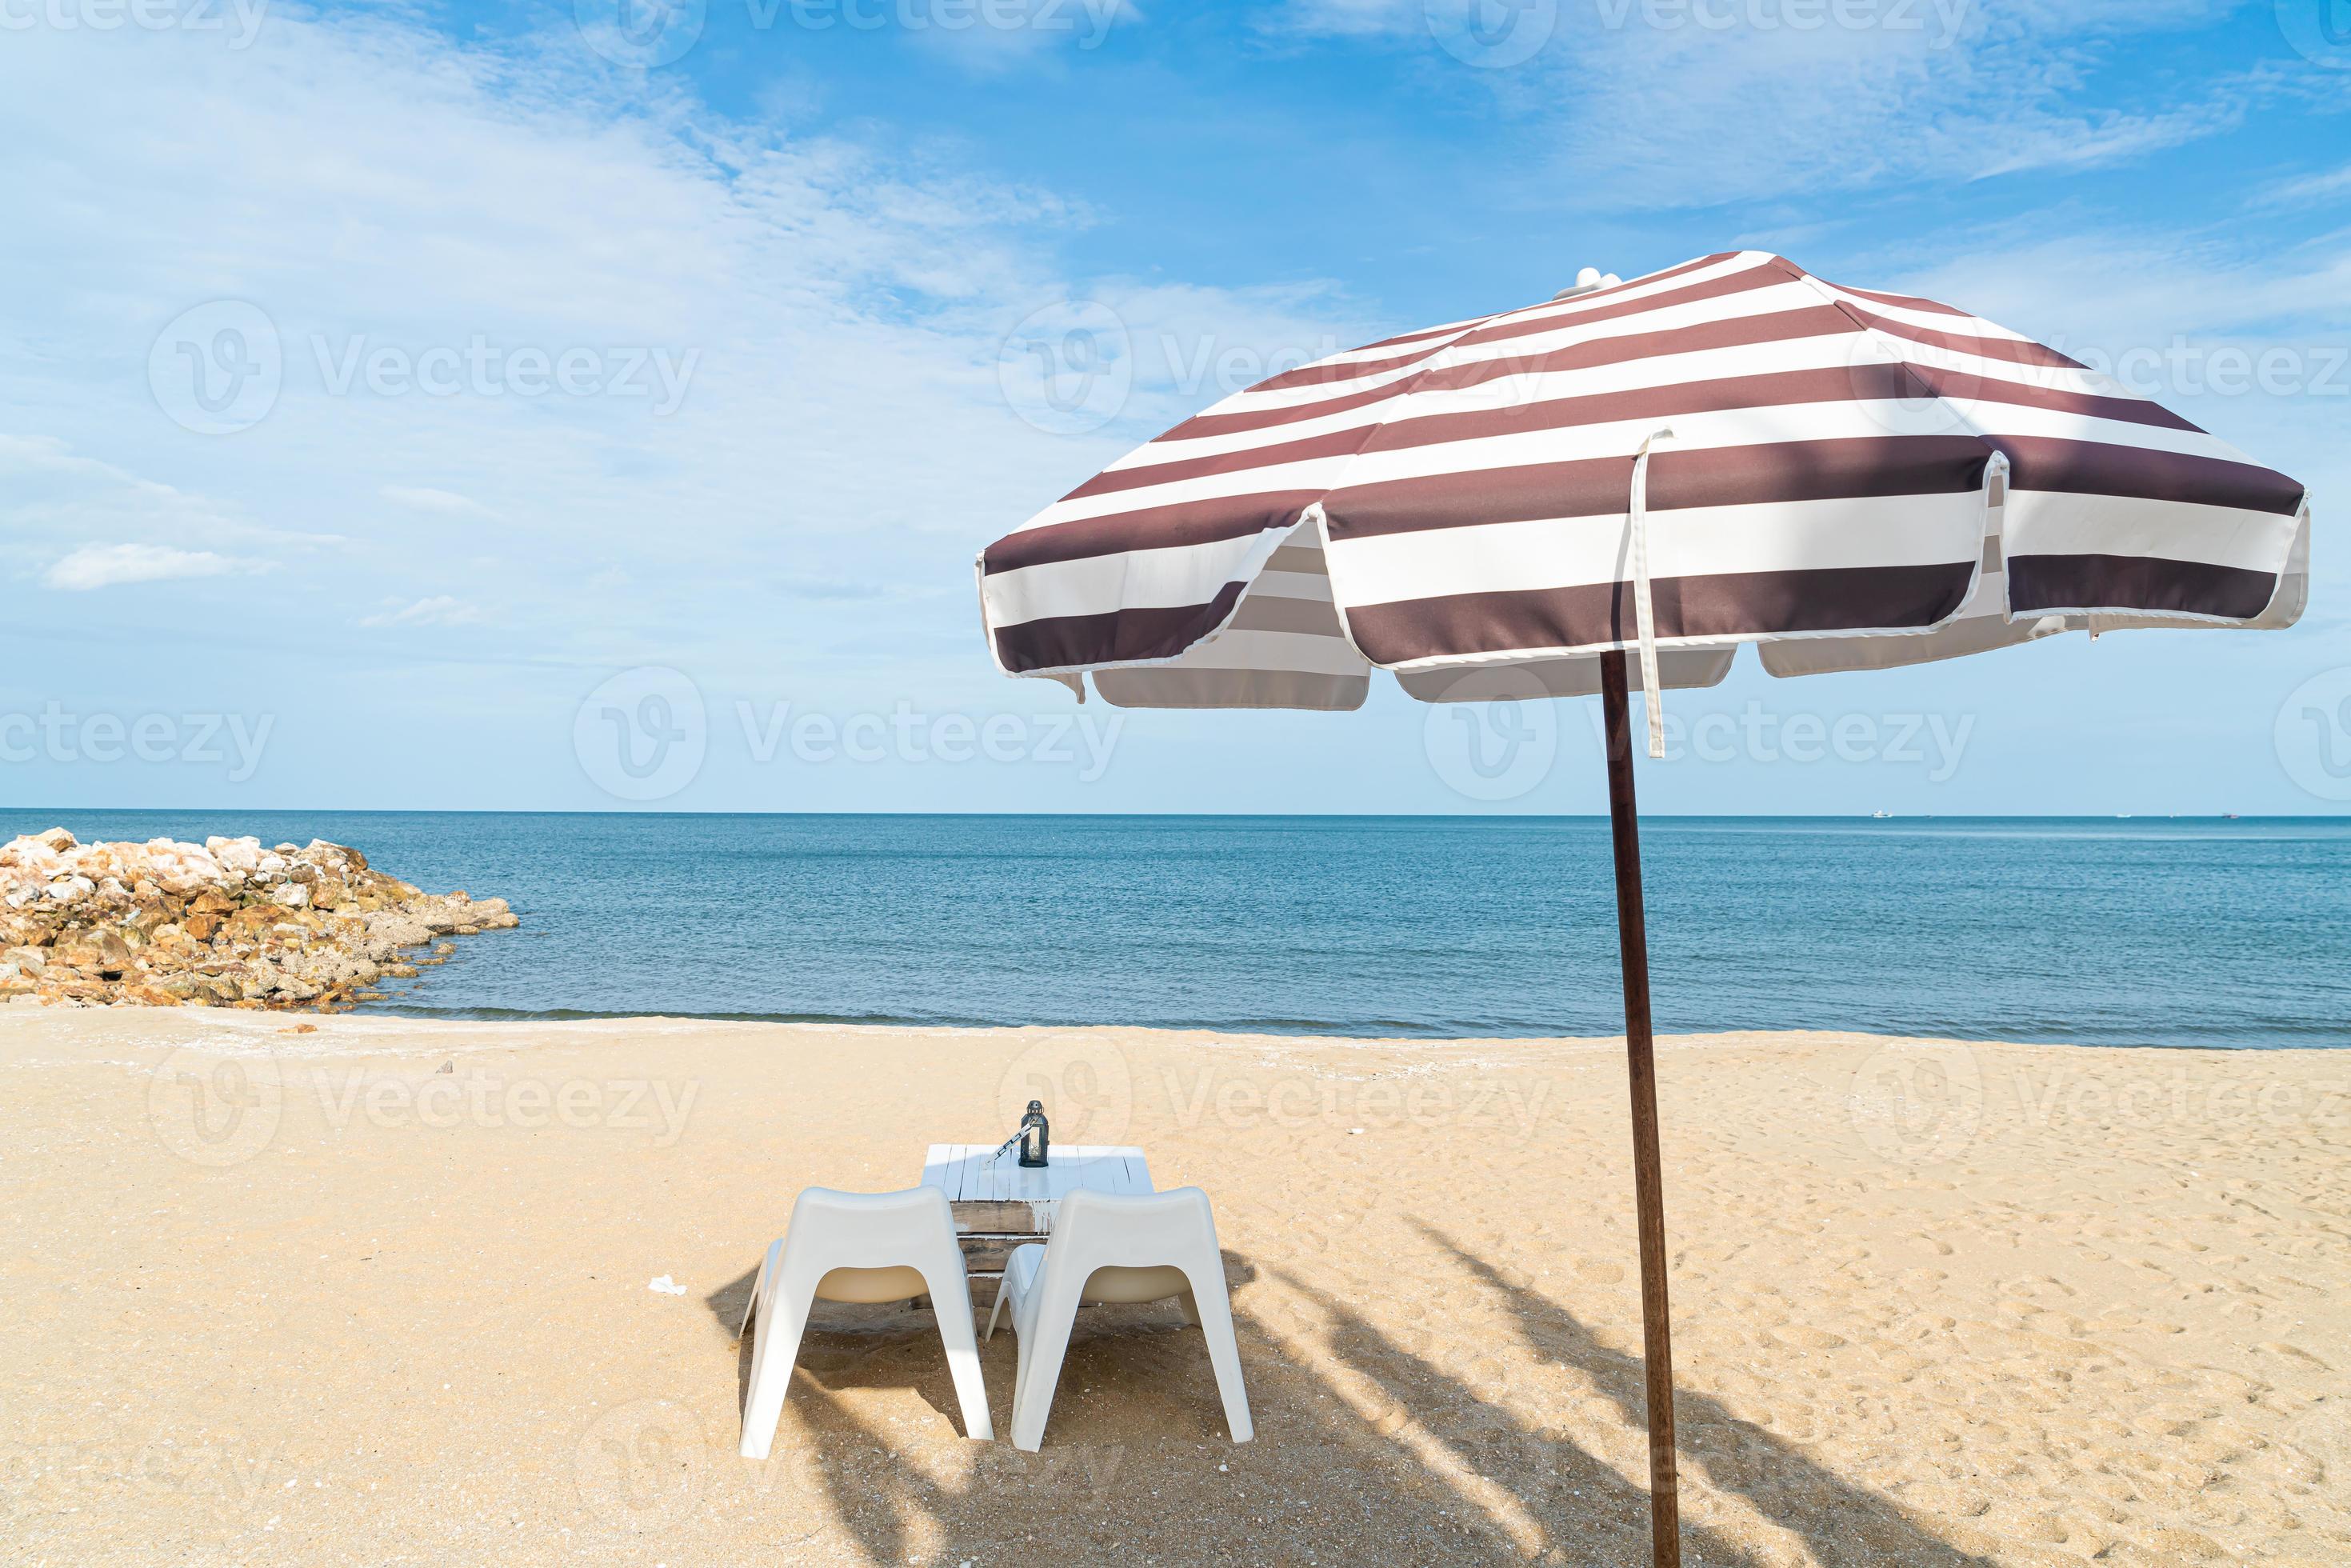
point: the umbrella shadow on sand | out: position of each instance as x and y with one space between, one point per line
1842 1521
1344 1433
1538 1491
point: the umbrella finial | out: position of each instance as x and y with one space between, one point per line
1588 279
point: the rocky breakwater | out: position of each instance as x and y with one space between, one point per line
222 924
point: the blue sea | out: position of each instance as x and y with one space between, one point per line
2135 931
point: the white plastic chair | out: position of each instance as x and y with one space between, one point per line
1107 1248
861 1247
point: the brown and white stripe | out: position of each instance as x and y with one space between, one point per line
1853 478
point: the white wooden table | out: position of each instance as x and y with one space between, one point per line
998 1205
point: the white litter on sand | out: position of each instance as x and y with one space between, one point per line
667 1286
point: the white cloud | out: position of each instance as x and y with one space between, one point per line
2307 190
441 610
1003 35
1662 103
846 299
105 566
427 499
1348 18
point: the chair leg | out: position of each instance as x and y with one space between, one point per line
1042 1353
767 1271
1003 1289
1215 1313
951 1302
773 1355
1188 1310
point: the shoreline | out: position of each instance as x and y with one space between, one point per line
1937 1302
425 1017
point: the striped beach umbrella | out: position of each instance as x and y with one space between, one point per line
1615 488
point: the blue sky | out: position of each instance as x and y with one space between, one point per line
647 380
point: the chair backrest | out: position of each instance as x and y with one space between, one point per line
1113 1230
870 1230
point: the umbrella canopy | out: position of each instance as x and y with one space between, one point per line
1728 451
1850 478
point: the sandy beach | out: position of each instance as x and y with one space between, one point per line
366 1290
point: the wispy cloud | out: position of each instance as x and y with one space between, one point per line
446 502
844 304
2327 187
441 610
1659 103
107 566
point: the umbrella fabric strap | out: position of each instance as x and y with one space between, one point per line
1643 611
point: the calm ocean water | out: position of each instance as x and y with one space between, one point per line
2117 933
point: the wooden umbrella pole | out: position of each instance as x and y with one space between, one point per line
1648 1183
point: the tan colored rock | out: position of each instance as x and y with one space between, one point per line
99 949
227 924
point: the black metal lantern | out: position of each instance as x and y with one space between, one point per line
1035 1136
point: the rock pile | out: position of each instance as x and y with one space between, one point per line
222 924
